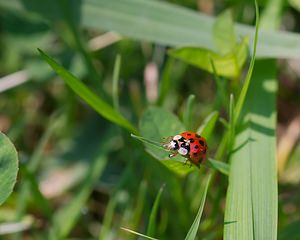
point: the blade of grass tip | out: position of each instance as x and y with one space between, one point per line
153 215
187 115
140 203
231 128
191 235
208 125
104 109
242 97
138 234
145 140
115 81
217 165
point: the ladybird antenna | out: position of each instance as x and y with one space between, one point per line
145 140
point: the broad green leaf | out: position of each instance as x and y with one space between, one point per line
251 204
191 235
157 124
8 167
153 215
88 96
228 65
224 34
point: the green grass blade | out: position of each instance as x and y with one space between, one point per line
172 25
208 125
115 81
191 235
88 96
217 165
241 100
251 204
231 126
8 167
151 229
138 234
166 24
187 115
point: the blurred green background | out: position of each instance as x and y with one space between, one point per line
82 176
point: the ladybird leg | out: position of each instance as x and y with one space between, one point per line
172 154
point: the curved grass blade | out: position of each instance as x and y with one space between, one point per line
191 235
88 96
115 81
217 165
242 97
187 115
208 125
152 219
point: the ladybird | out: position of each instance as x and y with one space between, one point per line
190 145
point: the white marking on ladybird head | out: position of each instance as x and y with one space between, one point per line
182 151
177 137
173 144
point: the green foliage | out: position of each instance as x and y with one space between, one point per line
191 235
83 174
91 98
230 56
8 167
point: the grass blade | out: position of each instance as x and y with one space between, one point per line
208 125
251 204
138 234
88 96
168 24
187 115
217 165
152 219
115 81
191 235
242 97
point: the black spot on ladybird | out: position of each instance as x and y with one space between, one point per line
191 140
201 143
189 134
196 146
195 154
198 136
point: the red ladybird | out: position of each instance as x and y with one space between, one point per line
190 145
